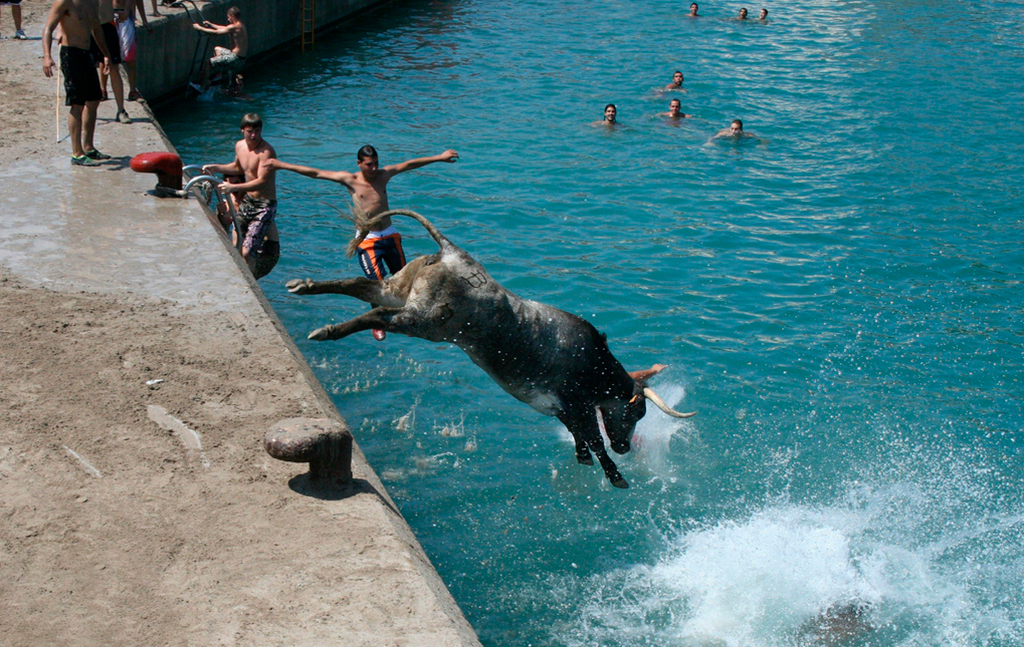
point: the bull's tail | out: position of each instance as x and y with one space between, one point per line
364 225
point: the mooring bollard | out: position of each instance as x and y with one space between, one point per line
323 443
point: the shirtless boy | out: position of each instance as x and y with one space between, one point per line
611 114
675 111
224 60
253 156
369 190
79 21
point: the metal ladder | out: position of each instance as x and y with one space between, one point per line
308 23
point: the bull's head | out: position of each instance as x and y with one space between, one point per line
618 418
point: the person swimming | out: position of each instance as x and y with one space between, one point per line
675 111
677 81
611 114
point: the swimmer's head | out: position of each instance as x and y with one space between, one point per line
743 13
736 127
674 108
610 112
677 77
763 14
693 8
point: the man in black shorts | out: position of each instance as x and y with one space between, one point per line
112 66
79 20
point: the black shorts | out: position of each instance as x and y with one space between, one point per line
113 44
81 82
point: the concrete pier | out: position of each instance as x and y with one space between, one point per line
140 369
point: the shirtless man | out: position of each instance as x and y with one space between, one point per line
677 81
253 157
369 190
226 61
675 111
693 10
734 131
763 15
79 21
743 14
111 66
611 114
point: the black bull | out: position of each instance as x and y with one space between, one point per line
552 360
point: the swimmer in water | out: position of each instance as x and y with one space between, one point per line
677 81
610 114
743 14
675 111
763 15
693 10
734 132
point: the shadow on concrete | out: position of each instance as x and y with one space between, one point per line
330 490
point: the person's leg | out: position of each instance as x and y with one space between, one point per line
75 130
117 84
155 13
89 124
16 14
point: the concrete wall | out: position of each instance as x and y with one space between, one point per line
166 54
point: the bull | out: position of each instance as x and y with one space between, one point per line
552 360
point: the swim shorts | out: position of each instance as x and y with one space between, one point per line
126 34
376 251
81 82
266 258
113 44
256 216
229 62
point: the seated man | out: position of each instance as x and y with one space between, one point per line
226 61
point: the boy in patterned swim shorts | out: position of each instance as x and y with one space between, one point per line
257 209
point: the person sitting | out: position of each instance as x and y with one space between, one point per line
226 62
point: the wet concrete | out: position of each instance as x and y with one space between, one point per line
98 230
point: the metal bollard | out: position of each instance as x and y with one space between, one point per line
324 443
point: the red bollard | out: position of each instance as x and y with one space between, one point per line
167 167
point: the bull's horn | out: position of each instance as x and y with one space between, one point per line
658 402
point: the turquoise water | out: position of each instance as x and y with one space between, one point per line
840 299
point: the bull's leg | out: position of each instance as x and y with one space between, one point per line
361 288
583 456
378 318
610 470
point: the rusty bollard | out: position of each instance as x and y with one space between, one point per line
323 443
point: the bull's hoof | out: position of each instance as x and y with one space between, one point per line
323 443
320 334
585 460
299 286
620 483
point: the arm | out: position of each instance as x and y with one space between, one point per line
341 177
101 41
263 175
211 28
52 20
449 156
234 168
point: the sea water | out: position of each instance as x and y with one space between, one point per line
839 299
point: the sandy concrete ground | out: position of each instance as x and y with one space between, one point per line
119 526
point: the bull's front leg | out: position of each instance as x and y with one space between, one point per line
607 464
378 318
361 288
583 427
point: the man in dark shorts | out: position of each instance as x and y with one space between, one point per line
79 20
369 190
111 66
16 14
261 247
